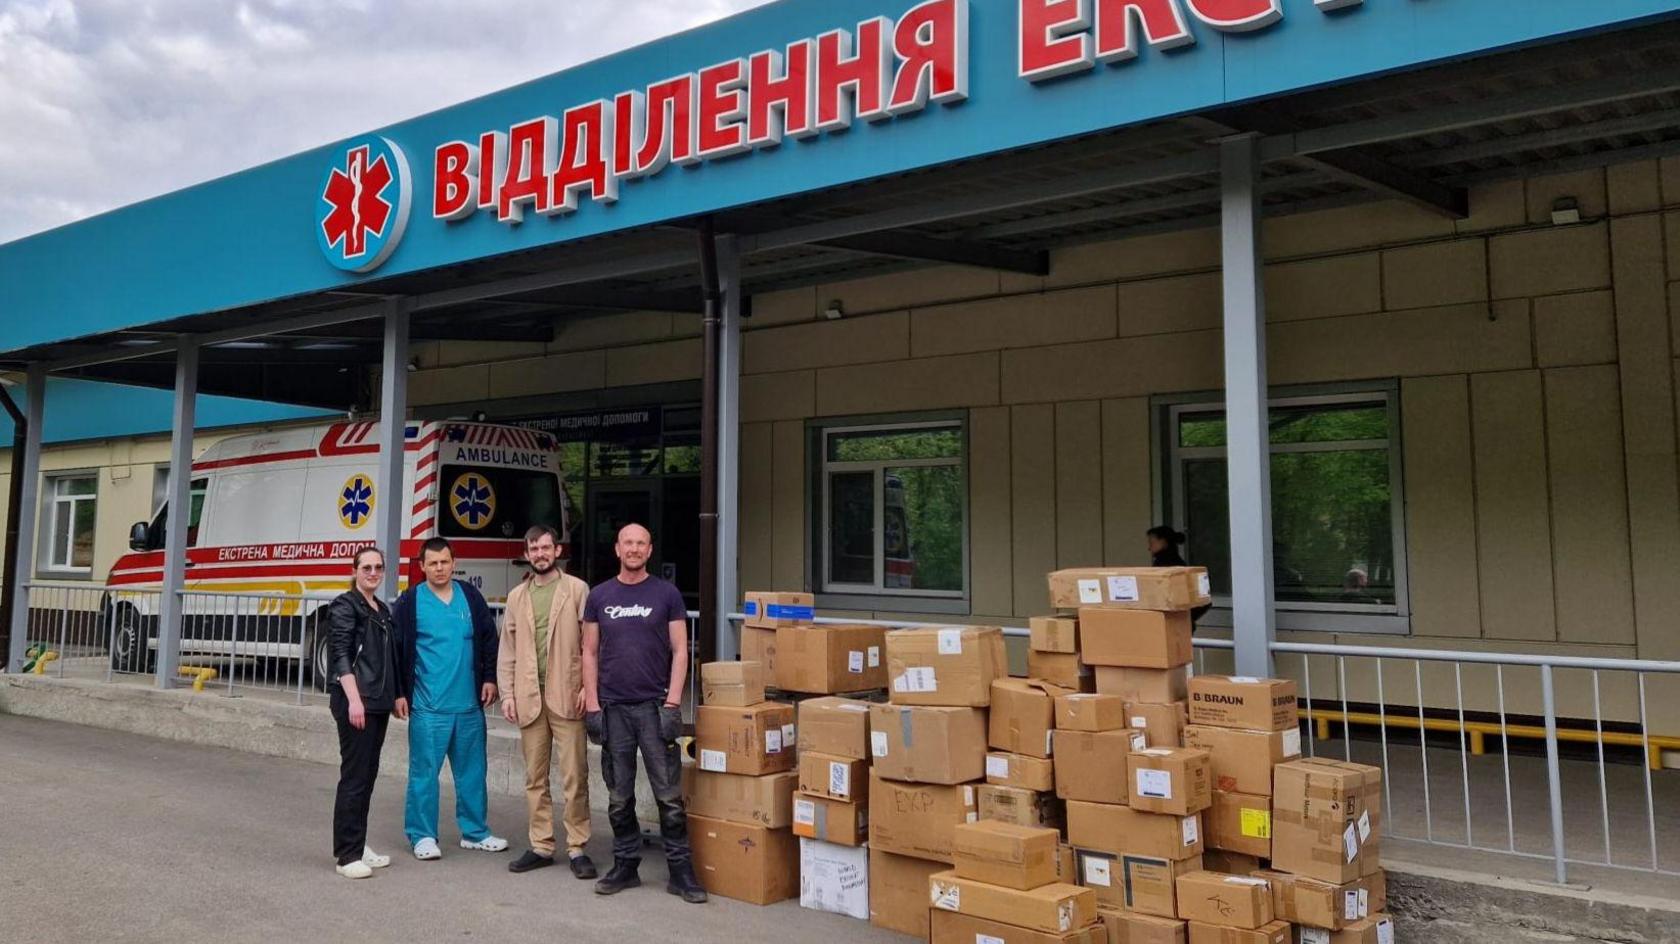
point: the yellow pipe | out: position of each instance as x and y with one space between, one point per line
201 674
41 663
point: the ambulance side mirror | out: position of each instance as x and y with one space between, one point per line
139 536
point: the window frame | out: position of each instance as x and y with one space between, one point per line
50 500
1392 618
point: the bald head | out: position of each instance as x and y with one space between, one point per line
634 547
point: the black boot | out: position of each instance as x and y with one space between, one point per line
622 875
685 884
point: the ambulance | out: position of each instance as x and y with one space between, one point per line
282 513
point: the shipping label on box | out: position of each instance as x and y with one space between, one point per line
1018 770
830 659
771 610
1055 906
838 726
1174 780
1243 760
1144 588
898 891
1088 711
1239 701
830 820
762 800
1091 765
917 819
1232 901
839 778
1004 853
1125 927
1323 824
1162 724
1061 669
1148 639
758 739
1053 634
1114 829
746 862
1240 822
834 878
1156 686
928 743
1019 805
1022 716
1138 883
732 684
953 665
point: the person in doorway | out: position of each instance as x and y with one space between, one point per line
1164 544
451 679
366 653
539 670
635 661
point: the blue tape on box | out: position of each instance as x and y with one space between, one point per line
788 611
750 607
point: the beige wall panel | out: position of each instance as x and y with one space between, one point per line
1512 508
449 385
1175 303
1324 288
757 487
925 384
1633 187
1454 339
653 363
1549 261
827 343
785 396
1032 482
1443 273
450 353
1585 186
787 514
581 332
1589 505
908 289
784 307
1079 484
1494 206
1128 492
1574 329
1355 227
990 512
1440 506
584 370
1182 251
1671 230
1668 169
1128 367
1080 314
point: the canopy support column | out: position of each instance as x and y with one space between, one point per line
172 603
393 496
25 493
729 446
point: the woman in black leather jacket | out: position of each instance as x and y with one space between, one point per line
365 659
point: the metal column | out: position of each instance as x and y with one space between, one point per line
729 445
1248 449
171 603
391 497
35 394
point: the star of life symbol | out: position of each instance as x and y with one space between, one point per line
364 206
355 502
472 501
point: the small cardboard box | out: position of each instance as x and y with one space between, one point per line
838 778
838 726
1021 806
1278 932
759 645
1243 701
829 820
1162 724
952 665
1158 686
948 927
732 684
1143 588
1088 711
1107 827
1240 822
1061 669
768 609
1145 884
1053 634
1004 853
1022 715
829 659
1176 780
1317 904
1232 901
1019 770
1243 760
763 801
1067 869
917 819
928 743
745 862
1326 819
834 878
1056 906
898 891
1377 929
758 739
1146 639
1091 765
1125 927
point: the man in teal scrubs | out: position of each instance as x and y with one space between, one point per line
454 640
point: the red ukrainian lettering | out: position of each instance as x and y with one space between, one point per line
668 133
629 117
1237 16
862 75
492 167
1055 38
932 39
585 158
779 84
1161 21
721 100
531 155
454 180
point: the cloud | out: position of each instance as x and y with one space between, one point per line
106 102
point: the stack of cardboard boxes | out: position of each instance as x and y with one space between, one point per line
831 807
1006 886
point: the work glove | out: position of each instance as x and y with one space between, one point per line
594 727
670 723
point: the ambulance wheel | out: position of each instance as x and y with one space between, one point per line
315 643
130 641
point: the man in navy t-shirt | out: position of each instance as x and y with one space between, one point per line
635 661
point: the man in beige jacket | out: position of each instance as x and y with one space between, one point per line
540 673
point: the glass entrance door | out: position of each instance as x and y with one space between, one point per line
612 505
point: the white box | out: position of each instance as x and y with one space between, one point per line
834 878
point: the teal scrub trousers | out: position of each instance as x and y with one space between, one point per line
432 737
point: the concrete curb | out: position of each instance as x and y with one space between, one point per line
1452 906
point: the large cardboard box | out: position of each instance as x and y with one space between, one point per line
838 778
1278 932
1377 929
759 645
1175 780
953 665
766 609
1326 819
898 891
1240 822
917 819
1004 853
763 801
1144 588
928 743
745 862
1088 711
1053 634
1243 760
732 684
1056 906
1125 927
948 927
1149 685
830 820
1145 884
1108 827
1162 724
1147 639
1019 805
834 878
1243 701
1233 901
758 739
1318 904
829 659
1062 669
838 726
1019 770
1091 765
1022 714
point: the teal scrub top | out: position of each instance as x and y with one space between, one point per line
443 671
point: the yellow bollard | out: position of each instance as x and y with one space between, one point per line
41 663
201 674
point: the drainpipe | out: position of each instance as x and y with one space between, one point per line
711 323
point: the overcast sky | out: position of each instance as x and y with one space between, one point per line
105 102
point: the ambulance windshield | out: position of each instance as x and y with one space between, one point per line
487 502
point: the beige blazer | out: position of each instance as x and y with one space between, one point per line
516 662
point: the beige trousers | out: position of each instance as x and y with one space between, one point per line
539 740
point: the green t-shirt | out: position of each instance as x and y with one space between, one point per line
542 599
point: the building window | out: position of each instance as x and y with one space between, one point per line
893 509
71 506
1337 536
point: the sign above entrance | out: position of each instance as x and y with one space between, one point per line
627 423
364 204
